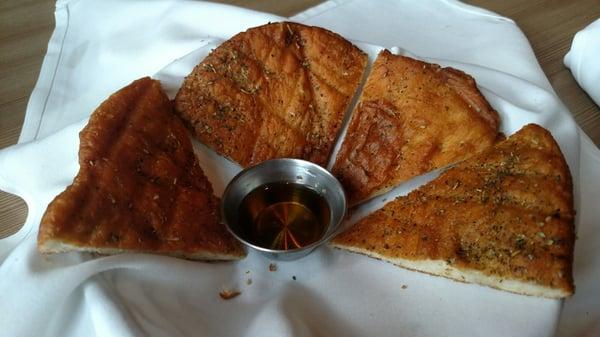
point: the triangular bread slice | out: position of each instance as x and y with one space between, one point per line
412 117
139 186
503 218
278 90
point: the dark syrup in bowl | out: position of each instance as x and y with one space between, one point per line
283 216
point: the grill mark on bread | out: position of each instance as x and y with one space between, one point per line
455 79
103 146
119 149
312 111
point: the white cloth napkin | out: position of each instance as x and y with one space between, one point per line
98 47
584 59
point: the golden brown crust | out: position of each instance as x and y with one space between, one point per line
139 187
506 212
412 117
278 90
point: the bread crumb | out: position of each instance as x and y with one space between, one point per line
272 267
229 294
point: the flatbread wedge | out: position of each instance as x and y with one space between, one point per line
139 186
278 90
412 117
503 218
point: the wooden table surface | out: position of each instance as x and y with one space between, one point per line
26 25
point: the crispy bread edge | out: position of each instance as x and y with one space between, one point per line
441 268
55 246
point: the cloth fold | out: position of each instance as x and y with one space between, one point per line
98 47
583 59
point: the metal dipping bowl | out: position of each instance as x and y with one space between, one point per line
283 170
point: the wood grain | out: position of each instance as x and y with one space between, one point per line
26 26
